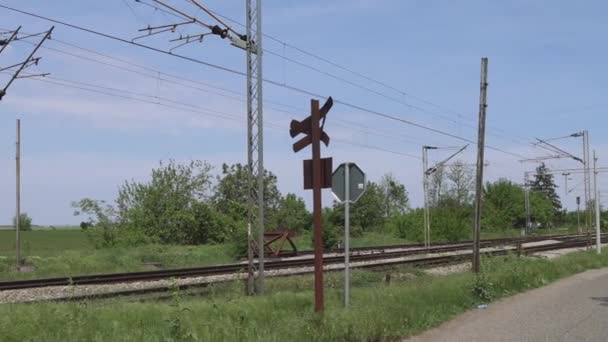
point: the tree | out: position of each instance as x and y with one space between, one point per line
460 179
165 208
292 214
368 212
232 194
436 186
543 183
25 222
395 196
100 225
503 205
541 209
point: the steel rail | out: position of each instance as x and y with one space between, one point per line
126 277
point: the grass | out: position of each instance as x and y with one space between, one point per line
46 242
67 252
379 311
494 234
304 241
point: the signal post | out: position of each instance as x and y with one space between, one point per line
317 176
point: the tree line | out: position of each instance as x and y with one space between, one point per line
186 203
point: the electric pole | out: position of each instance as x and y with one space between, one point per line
480 154
586 180
18 196
578 215
255 138
425 189
598 238
566 174
251 42
527 204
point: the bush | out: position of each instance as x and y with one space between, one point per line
356 231
447 224
451 223
408 226
332 232
25 222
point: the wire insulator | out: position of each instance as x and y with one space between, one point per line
219 31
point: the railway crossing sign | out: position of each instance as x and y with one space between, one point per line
351 176
316 177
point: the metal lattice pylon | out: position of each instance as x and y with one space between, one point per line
255 144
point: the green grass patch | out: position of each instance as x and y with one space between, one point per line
304 241
64 252
44 242
67 252
380 310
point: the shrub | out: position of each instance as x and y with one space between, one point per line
408 226
451 223
25 222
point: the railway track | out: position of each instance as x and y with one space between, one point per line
484 243
383 253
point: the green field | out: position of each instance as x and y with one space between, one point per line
64 252
380 311
46 242
67 252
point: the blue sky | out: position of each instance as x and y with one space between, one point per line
547 78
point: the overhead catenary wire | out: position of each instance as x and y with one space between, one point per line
182 15
473 117
360 127
212 113
269 81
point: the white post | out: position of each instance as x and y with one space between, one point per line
346 234
598 238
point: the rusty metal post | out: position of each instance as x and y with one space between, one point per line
316 198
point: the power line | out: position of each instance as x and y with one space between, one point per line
269 81
356 73
360 127
205 112
181 15
366 77
122 40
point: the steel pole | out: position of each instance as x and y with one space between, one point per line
346 234
255 144
250 158
425 192
260 127
598 238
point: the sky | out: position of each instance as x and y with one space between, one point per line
418 61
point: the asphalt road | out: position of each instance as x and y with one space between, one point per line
572 309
